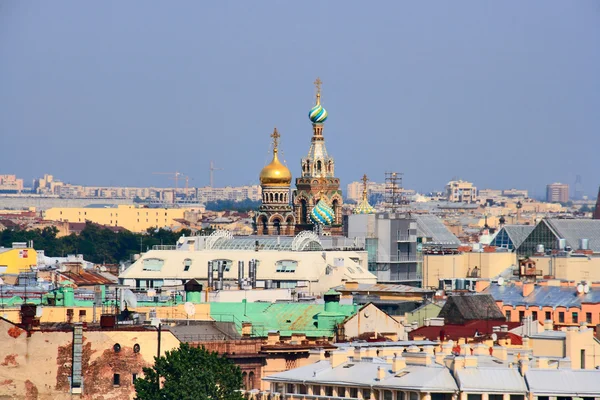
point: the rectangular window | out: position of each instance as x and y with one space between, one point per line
366 394
354 392
133 377
286 266
521 315
588 317
329 391
508 315
561 317
575 317
548 315
534 316
316 390
116 379
152 264
582 358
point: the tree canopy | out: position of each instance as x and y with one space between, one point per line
97 244
190 373
230 205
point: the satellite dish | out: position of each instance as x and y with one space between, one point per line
500 281
151 293
494 337
190 308
580 288
586 288
38 311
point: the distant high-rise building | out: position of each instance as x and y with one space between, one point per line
557 193
597 210
461 192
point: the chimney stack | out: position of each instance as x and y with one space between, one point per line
398 363
380 373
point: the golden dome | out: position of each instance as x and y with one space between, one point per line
275 174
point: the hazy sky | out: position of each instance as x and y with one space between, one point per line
502 93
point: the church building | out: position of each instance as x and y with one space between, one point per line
275 214
318 198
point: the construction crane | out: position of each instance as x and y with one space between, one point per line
212 170
174 175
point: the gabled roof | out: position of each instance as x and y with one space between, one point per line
431 226
517 233
574 229
459 309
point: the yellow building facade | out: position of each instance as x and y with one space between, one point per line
14 260
463 265
131 217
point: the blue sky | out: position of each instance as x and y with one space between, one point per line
505 94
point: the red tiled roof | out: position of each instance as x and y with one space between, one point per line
86 278
468 330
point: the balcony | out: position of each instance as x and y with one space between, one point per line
400 258
406 238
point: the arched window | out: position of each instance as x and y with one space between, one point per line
245 380
251 380
303 211
319 166
276 196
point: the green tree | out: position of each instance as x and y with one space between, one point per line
190 373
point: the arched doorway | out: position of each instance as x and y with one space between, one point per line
277 226
263 224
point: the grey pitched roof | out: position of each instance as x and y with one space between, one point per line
566 382
199 331
518 233
459 309
550 296
491 380
434 378
574 229
431 226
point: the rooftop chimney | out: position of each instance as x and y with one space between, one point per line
548 325
528 288
398 363
380 373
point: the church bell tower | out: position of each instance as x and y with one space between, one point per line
318 198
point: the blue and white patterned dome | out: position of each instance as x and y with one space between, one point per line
317 114
322 214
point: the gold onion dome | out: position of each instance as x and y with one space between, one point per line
275 173
364 207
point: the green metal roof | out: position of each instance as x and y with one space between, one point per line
287 318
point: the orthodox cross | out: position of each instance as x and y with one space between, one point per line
275 135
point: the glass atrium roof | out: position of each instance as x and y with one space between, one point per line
304 241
